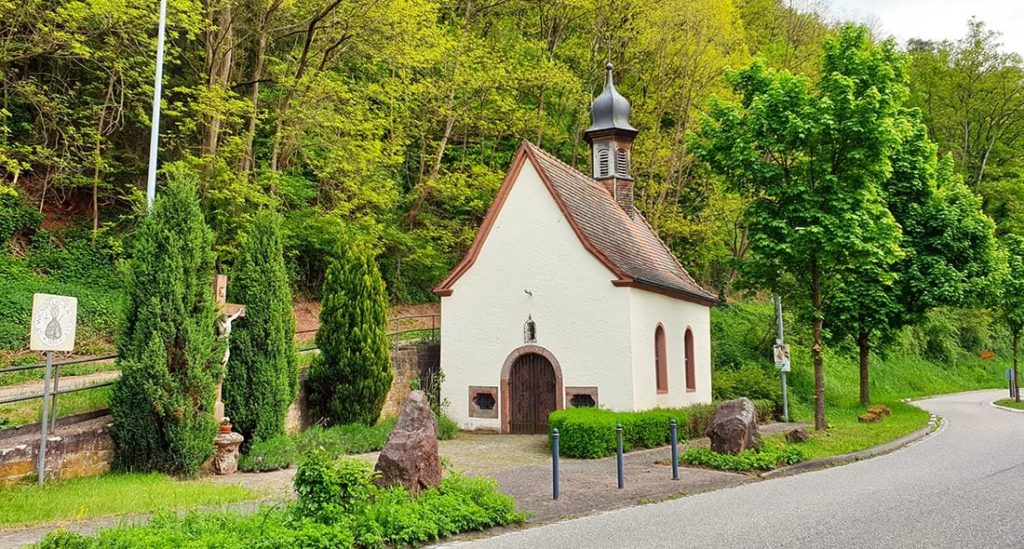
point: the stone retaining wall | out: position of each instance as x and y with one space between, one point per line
76 450
412 361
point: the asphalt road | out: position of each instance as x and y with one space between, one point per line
962 486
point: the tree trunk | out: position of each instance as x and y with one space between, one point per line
864 345
1016 378
817 348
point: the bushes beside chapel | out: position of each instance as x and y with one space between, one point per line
590 432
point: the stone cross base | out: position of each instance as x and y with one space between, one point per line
225 460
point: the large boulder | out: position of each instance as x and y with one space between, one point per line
410 456
734 428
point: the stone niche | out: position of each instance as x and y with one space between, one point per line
483 402
581 397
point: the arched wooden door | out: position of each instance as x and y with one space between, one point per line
533 394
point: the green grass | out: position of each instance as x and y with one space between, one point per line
111 494
30 411
13 378
1010 403
846 435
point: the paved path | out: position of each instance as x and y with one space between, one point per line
961 487
66 382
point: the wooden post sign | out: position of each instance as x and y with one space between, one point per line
53 329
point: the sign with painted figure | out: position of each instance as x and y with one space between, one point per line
781 354
53 322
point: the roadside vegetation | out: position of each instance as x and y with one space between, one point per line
111 494
1010 403
338 506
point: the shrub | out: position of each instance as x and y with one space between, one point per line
590 432
765 460
750 381
167 350
350 378
354 438
327 489
274 453
262 376
15 215
446 427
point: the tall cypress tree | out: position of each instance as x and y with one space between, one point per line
168 351
350 378
262 375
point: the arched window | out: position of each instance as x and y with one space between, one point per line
691 371
660 360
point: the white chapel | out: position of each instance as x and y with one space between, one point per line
568 298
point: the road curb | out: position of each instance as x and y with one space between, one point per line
1014 410
844 459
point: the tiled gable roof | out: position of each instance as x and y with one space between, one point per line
628 246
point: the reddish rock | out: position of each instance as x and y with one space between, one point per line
869 417
410 457
734 427
879 410
798 435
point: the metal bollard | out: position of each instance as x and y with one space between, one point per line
554 463
675 450
618 435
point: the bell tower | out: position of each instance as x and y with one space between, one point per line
611 136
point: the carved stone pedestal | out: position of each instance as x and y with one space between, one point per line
225 458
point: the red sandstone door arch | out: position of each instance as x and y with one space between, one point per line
531 389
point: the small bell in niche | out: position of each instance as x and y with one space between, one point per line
530 330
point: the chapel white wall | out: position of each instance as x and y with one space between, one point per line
675 315
581 318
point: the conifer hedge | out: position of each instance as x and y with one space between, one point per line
262 375
167 349
350 378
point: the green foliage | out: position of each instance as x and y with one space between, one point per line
328 489
590 432
749 460
446 427
167 350
756 382
385 517
277 452
350 378
15 215
262 376
1011 305
352 438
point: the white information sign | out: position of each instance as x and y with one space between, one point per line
53 322
781 353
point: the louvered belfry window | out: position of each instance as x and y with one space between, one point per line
603 161
621 162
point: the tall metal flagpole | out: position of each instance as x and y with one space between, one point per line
158 84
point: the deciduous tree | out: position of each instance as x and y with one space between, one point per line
814 159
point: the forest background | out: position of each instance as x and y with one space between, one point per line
391 123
